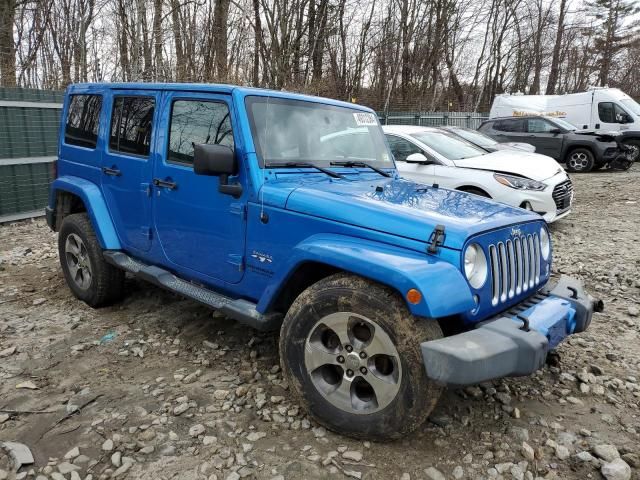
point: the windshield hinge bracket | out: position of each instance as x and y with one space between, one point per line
436 239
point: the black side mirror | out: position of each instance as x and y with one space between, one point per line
217 161
214 160
555 131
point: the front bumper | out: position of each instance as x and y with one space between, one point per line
545 202
514 343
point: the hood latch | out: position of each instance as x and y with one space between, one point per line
436 239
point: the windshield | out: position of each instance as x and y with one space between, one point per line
474 137
632 105
448 145
564 124
286 130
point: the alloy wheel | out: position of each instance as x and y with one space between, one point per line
353 363
78 262
579 161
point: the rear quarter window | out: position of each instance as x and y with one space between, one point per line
83 120
510 125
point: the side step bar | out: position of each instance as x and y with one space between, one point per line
238 309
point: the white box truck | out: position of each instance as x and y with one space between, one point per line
599 109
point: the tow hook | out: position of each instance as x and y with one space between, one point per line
598 305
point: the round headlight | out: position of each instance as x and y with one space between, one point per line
545 243
475 265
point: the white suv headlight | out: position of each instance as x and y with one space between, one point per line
475 265
545 243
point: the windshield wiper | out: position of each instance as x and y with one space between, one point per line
303 164
361 164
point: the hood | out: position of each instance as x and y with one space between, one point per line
525 147
530 165
400 207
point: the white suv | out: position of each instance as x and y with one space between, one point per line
527 180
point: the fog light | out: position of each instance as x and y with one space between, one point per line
527 206
414 296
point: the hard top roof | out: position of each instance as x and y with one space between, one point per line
206 88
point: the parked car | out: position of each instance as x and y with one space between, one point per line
553 137
486 142
526 180
240 199
601 109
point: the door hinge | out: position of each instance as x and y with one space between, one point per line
236 259
239 209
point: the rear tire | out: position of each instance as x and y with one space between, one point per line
580 160
350 352
89 276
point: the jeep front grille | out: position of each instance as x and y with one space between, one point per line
562 196
515 267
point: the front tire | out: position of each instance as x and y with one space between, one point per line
89 276
580 160
635 146
350 351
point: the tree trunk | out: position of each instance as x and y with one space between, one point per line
555 58
7 46
177 35
220 38
157 39
257 43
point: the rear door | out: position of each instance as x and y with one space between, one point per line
539 134
126 165
200 229
510 130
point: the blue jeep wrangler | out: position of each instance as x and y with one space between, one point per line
286 211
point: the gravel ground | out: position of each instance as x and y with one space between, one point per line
158 387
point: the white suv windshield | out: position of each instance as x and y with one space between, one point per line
564 124
448 145
475 137
286 130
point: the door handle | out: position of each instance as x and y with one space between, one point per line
114 172
165 184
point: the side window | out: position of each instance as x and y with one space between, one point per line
539 125
131 125
511 125
606 112
83 120
620 114
197 122
401 148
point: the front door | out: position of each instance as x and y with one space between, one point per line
200 229
126 165
546 142
611 117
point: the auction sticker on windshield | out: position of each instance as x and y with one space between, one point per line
364 119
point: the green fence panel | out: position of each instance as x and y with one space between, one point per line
24 187
29 125
28 132
31 95
434 119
